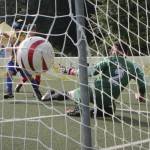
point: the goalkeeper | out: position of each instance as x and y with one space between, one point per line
12 67
113 75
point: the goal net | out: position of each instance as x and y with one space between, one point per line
92 26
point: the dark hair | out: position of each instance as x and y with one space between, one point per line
121 46
18 25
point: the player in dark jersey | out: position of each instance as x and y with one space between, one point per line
12 66
112 76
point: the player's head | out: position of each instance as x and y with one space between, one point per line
20 29
19 25
119 48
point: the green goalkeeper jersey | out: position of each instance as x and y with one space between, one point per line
113 75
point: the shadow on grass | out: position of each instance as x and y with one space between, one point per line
134 121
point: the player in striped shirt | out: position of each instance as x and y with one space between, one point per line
12 66
31 32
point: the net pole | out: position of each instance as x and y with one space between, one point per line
83 77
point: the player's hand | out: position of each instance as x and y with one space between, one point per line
139 98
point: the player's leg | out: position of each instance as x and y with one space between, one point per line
9 93
76 96
60 96
54 95
18 87
11 70
38 79
105 104
106 111
36 88
24 79
34 84
110 110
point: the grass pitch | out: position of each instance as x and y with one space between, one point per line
29 124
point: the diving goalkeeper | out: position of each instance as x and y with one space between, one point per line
113 75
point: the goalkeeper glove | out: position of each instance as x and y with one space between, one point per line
140 97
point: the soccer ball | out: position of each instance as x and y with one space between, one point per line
35 54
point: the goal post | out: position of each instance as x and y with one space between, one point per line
83 76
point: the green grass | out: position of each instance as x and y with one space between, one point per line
29 124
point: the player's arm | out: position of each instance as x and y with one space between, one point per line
6 35
98 68
12 38
141 84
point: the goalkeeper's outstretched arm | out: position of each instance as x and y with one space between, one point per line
141 85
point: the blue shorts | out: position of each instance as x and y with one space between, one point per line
13 67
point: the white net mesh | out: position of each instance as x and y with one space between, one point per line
29 123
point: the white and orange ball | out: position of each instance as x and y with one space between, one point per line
35 54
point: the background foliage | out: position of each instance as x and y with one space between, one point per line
126 20
123 19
